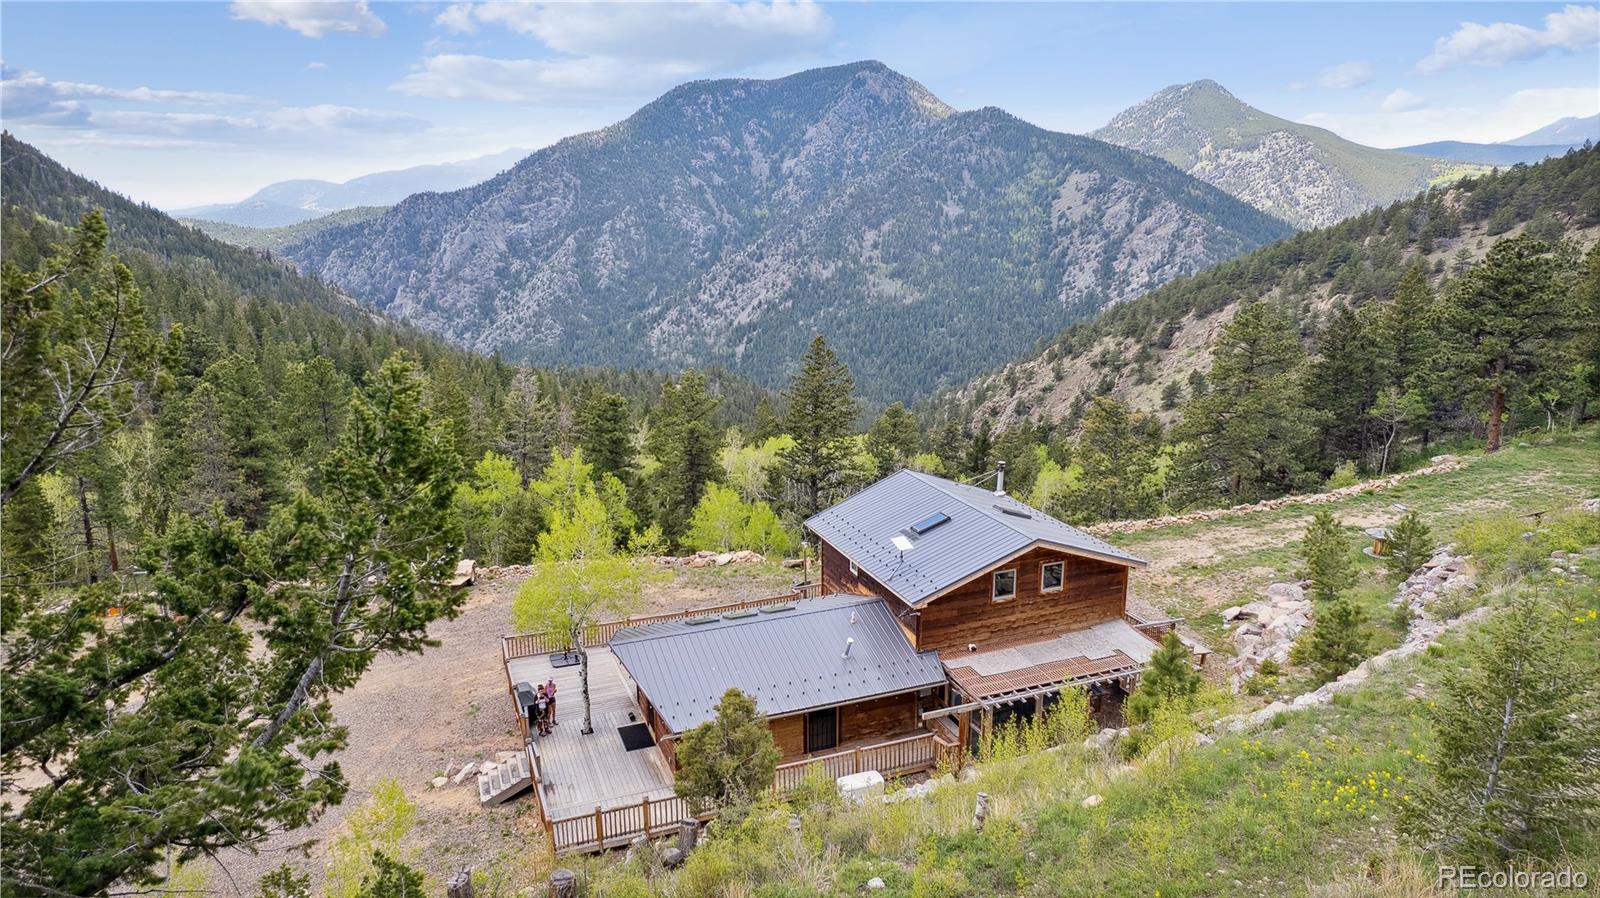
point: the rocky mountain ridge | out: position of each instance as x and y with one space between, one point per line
1308 176
727 221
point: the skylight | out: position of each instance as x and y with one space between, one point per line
930 522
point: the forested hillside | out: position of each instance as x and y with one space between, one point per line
276 238
1448 316
728 221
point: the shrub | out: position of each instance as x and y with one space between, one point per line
1344 475
1170 680
1410 545
1327 557
1337 641
730 759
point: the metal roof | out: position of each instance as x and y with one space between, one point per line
984 529
788 658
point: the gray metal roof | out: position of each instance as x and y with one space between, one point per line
980 532
787 660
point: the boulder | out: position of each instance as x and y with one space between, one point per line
1093 801
1229 614
439 782
466 770
672 857
876 883
1286 592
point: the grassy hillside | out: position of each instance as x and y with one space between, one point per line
280 237
1307 805
1136 349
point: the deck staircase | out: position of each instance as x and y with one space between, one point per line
505 779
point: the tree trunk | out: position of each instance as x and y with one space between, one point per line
111 548
88 530
1497 412
583 679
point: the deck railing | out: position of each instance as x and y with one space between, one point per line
601 633
604 828
1152 628
895 757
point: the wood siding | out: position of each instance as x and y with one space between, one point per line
876 719
836 576
1095 591
880 718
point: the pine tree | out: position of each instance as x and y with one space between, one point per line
1407 329
1410 546
528 425
605 433
1342 383
1169 680
1338 640
77 343
1116 459
893 439
254 452
821 418
687 447
1506 322
729 760
1251 430
1326 553
766 425
1515 769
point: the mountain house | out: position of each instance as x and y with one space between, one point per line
942 610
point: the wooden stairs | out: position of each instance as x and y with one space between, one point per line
505 779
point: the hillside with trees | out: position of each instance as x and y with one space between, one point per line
1465 310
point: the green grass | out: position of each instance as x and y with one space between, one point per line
1307 806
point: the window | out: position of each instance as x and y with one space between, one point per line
1051 575
1005 585
854 571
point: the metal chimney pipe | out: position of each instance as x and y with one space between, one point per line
999 478
848 642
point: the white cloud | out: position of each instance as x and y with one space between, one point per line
133 114
1345 75
316 66
312 18
1487 122
615 49
1402 100
1573 28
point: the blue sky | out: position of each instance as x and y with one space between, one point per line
185 103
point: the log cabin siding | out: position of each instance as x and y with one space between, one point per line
880 718
836 576
1095 591
790 735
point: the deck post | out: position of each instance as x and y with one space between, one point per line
1038 707
856 760
644 812
964 729
599 827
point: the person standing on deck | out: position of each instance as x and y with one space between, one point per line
550 696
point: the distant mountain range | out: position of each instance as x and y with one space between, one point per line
728 221
292 202
1305 175
1551 140
1571 131
276 238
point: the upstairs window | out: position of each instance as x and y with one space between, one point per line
1005 585
1051 575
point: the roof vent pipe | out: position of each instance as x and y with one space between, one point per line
999 478
852 617
848 642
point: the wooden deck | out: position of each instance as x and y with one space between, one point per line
579 773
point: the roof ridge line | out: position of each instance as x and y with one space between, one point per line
721 615
1001 520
